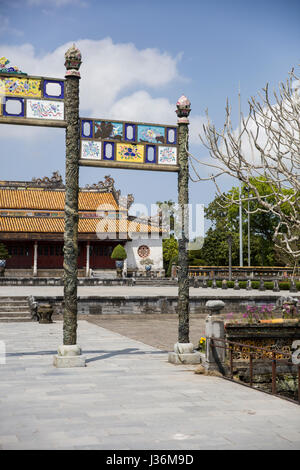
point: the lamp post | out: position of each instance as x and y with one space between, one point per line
230 256
249 252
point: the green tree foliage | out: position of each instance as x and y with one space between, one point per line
170 253
3 252
119 253
225 221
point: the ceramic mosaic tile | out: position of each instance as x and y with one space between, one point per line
167 155
28 87
108 130
42 109
91 150
153 134
130 153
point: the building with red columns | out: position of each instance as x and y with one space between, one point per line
32 228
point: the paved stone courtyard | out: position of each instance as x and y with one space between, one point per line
157 330
137 291
128 397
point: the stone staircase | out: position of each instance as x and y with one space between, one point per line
104 273
14 309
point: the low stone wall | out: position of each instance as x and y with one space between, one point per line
41 273
58 281
157 304
275 337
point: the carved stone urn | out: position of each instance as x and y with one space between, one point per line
44 313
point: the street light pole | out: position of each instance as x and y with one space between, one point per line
240 191
249 253
230 256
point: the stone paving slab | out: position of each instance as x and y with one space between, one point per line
128 397
137 291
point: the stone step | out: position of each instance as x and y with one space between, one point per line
14 319
107 274
13 299
13 308
15 314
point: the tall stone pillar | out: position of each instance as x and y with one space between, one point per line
183 349
69 355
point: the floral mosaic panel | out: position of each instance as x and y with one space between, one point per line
28 87
108 130
167 155
153 134
130 153
40 109
91 150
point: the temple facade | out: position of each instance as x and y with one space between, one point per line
32 228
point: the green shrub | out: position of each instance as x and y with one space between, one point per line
119 253
269 285
284 285
3 252
196 262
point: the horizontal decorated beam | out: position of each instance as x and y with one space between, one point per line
128 166
31 100
127 144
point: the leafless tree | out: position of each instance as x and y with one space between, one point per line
266 146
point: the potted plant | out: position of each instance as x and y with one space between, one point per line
3 257
119 255
147 262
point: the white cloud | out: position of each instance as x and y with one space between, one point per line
142 107
196 128
6 28
56 3
110 73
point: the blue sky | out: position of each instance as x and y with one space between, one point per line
138 58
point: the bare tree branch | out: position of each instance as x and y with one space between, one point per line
267 147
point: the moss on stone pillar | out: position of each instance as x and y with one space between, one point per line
183 110
72 63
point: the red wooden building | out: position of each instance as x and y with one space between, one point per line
32 225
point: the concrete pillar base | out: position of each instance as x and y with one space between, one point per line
212 366
184 353
69 356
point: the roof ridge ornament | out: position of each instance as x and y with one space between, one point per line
55 180
107 184
5 68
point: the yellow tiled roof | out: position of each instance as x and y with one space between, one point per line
53 200
53 225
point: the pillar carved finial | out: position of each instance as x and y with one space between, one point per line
183 109
73 61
